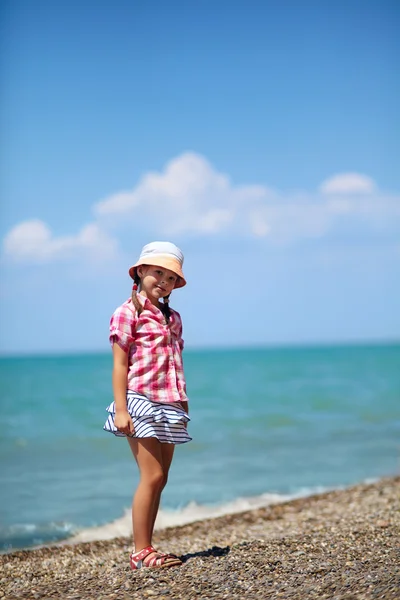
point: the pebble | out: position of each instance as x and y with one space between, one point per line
340 545
383 524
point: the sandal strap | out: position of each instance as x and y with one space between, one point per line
159 559
169 555
143 553
142 559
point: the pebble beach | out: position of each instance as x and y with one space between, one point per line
340 545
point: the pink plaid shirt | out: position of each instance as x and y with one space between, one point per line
155 367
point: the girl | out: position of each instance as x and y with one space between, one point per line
150 403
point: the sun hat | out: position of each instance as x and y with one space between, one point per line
161 254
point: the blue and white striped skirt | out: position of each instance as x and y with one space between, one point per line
166 422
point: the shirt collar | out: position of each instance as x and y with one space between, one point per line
146 304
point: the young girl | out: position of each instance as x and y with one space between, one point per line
150 403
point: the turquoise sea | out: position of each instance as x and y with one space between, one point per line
267 424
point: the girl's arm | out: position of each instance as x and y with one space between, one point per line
185 407
122 420
181 344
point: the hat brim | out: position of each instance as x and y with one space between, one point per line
162 261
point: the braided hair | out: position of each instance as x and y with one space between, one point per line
165 309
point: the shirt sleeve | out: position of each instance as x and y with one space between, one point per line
122 328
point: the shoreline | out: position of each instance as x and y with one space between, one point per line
341 544
169 518
191 513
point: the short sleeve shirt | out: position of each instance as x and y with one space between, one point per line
155 366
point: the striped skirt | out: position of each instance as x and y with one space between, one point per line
166 422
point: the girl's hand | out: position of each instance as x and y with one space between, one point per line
123 422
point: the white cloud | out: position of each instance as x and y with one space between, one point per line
33 242
286 222
191 198
185 180
348 183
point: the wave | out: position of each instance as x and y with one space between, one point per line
27 535
19 536
190 513
22 536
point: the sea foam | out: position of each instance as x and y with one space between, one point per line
190 513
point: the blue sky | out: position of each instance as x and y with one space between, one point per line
260 137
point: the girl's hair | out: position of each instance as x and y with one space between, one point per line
165 309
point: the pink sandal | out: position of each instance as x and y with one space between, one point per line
160 561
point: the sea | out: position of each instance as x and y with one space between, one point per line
268 425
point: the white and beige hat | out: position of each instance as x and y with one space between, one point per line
162 254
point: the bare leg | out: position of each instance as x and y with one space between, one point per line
167 453
148 455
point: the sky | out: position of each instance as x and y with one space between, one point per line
261 137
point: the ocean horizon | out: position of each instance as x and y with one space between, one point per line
369 342
268 424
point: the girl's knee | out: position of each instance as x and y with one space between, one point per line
163 480
155 480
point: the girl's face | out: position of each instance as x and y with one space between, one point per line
156 282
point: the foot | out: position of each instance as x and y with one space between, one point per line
150 558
